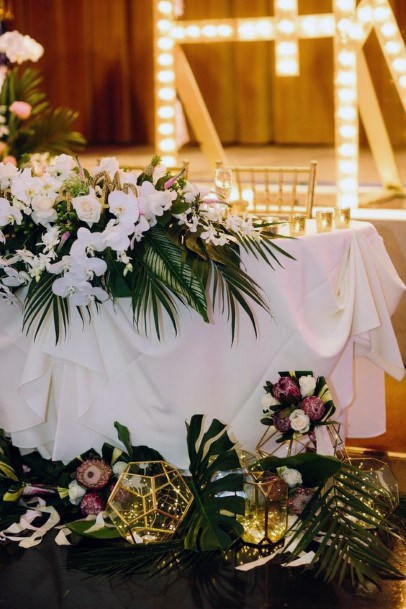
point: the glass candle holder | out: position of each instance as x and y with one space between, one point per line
266 508
297 225
342 217
324 221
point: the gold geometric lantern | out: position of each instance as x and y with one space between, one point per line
266 508
149 501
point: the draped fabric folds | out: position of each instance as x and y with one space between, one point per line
98 60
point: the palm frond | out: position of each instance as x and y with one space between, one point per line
50 132
39 302
346 517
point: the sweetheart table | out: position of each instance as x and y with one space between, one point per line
331 311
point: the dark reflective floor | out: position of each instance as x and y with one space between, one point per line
38 579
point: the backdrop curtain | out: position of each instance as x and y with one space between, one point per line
98 60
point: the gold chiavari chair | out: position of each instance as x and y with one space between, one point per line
272 190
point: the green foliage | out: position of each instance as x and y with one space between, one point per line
46 130
212 524
315 469
347 517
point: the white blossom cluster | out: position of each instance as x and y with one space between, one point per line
132 211
19 48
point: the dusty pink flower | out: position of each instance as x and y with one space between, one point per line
170 182
21 109
285 389
313 407
10 159
94 473
92 504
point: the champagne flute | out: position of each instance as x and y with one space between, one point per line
223 182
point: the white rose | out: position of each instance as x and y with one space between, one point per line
43 209
76 492
119 467
307 385
62 166
268 400
88 208
292 477
299 421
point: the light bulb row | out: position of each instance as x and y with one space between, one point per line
346 107
165 88
286 38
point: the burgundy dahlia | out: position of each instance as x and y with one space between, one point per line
285 389
313 407
299 499
282 424
92 504
94 473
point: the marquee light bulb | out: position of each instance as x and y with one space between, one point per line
166 128
165 43
286 26
165 7
167 145
166 112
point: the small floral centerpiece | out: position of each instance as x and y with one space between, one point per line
28 124
296 405
76 238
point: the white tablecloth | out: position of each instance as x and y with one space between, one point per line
330 305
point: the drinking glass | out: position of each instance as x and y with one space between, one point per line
223 182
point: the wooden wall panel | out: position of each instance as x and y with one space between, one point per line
98 60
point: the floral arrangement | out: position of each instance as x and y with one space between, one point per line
296 404
337 514
28 124
76 238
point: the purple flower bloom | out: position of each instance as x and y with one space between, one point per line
282 424
299 499
285 389
92 504
313 407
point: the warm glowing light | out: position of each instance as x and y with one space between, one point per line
166 129
346 78
348 131
165 43
286 26
166 112
193 31
166 76
165 7
345 5
167 145
382 13
393 47
388 29
399 64
209 30
224 30
347 114
346 58
287 67
347 150
166 93
165 59
168 161
286 5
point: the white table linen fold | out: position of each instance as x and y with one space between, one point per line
331 303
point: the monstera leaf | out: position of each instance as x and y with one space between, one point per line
213 523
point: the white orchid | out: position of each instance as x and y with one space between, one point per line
141 227
87 242
109 164
7 171
18 47
24 186
154 202
15 278
9 214
80 293
7 295
193 191
83 267
51 238
124 206
61 167
116 237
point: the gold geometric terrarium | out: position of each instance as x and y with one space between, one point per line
266 508
149 501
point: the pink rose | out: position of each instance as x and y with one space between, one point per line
285 389
10 159
21 109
